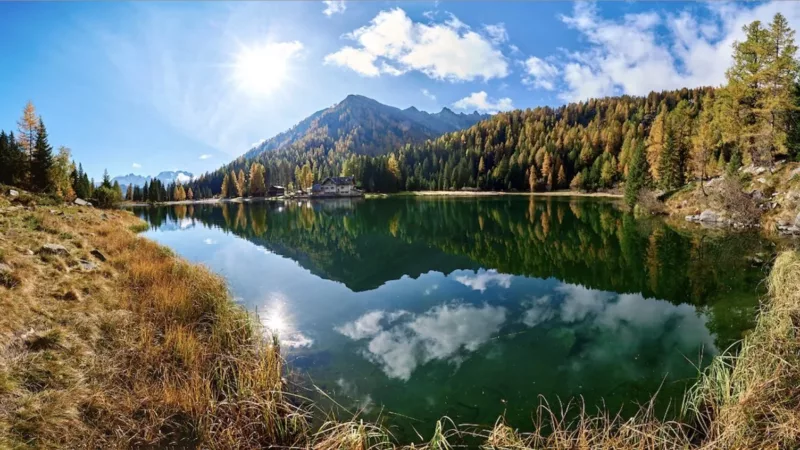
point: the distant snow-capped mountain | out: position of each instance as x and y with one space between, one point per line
165 177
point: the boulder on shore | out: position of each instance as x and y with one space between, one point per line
708 216
54 249
13 193
98 254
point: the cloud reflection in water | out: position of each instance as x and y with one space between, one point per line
443 332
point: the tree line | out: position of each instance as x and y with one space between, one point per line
660 141
27 162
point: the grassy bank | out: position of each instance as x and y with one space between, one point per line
111 341
116 342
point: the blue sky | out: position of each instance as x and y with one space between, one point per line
145 87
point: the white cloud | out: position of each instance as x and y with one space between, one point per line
334 7
497 33
541 74
638 53
481 102
209 241
428 94
205 156
445 332
482 279
393 44
358 60
136 166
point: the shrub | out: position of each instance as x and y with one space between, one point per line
106 197
731 198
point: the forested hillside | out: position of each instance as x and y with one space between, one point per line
365 126
678 135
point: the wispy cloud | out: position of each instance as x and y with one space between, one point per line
334 7
136 166
428 94
649 51
205 156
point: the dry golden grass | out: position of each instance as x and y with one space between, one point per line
145 350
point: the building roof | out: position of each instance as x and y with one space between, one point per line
339 181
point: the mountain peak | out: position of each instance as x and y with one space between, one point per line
384 127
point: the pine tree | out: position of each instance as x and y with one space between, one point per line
42 162
668 162
6 160
562 177
224 186
28 127
241 185
705 141
257 186
637 175
189 194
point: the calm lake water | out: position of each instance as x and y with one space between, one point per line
417 308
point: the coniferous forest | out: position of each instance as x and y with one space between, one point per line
27 162
660 141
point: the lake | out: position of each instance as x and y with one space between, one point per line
416 308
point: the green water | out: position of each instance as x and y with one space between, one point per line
417 308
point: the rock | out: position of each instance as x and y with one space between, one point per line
81 202
794 172
71 296
708 216
97 254
56 212
13 193
797 220
690 218
7 277
54 249
757 195
87 266
762 180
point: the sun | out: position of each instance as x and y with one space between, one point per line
264 68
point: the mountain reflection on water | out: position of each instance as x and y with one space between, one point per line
474 307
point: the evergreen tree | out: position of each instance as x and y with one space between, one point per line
224 188
257 185
637 175
42 162
6 160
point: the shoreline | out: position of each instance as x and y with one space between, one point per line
373 195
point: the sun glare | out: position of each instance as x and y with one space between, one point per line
264 68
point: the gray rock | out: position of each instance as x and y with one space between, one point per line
690 218
81 202
5 269
97 254
797 220
87 266
54 249
708 216
762 180
13 193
